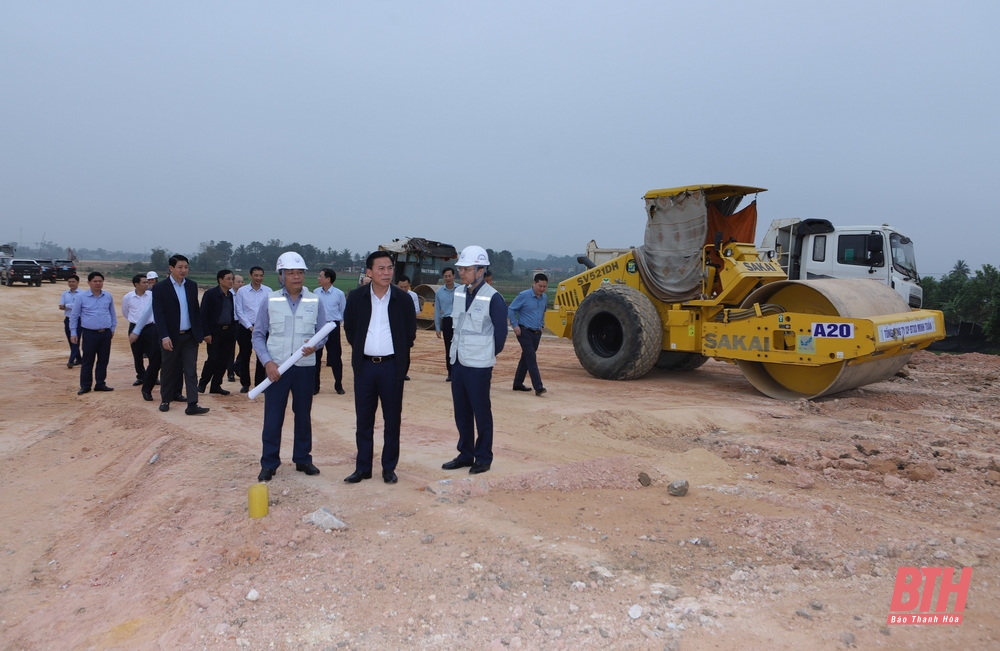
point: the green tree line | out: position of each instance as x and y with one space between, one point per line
964 296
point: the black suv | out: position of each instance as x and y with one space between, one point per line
20 270
65 269
48 269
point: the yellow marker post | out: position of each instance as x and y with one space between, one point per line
257 500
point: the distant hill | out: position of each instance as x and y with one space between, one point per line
536 255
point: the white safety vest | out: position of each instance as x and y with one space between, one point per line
474 344
288 332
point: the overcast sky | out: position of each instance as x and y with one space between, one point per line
512 125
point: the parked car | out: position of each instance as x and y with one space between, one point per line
48 269
20 270
65 269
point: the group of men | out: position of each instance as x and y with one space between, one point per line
166 325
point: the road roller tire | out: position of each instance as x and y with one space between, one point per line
617 333
846 298
672 360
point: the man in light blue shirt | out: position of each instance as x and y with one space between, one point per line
285 323
444 300
334 302
93 317
66 305
527 318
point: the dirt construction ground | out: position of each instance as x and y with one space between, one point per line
125 528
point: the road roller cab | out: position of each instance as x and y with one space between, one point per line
697 288
422 261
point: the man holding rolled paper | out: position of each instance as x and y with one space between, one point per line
285 323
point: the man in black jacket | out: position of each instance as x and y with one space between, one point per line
219 320
178 325
380 325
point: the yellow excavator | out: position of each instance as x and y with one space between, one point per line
697 289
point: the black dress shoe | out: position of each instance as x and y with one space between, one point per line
340 392
180 398
316 391
104 387
478 468
455 464
539 392
220 391
357 476
201 388
137 383
244 390
231 378
448 379
147 396
389 477
164 406
266 474
521 387
69 364
193 409
82 391
406 377
307 468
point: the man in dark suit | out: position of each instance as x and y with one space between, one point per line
178 325
219 320
380 325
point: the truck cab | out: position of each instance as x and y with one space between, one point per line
814 248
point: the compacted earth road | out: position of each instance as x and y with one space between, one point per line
127 528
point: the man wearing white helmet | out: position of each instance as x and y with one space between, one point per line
479 315
285 321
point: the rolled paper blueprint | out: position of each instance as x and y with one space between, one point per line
296 356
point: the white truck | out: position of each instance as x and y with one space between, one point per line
814 248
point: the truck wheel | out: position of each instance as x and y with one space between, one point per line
672 360
617 333
38 283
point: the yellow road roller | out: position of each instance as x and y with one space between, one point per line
697 289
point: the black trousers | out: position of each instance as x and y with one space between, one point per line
528 364
243 338
74 349
333 359
374 384
448 332
180 365
137 352
152 348
96 346
220 354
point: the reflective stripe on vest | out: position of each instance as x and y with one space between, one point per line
287 331
473 345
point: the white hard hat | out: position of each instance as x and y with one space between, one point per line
290 260
473 256
151 275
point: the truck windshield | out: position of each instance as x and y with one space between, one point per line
903 259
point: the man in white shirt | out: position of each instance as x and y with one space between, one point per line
404 284
334 301
134 304
247 304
